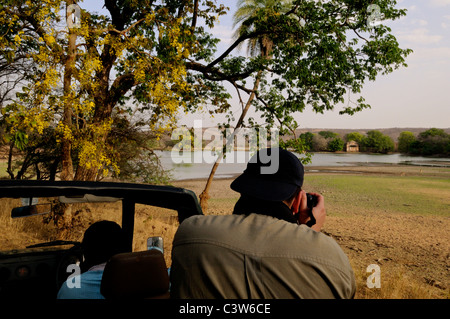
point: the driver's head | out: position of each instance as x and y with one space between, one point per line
101 241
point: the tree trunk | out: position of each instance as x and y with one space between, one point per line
90 174
66 144
86 174
204 196
10 156
66 147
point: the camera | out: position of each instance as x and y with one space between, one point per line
311 201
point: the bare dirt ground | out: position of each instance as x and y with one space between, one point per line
413 251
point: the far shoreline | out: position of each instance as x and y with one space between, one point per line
366 169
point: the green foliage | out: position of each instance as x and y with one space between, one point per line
323 141
336 144
38 159
354 136
135 155
433 132
377 142
316 68
298 146
405 140
307 139
328 134
430 142
313 54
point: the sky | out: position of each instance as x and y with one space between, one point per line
415 96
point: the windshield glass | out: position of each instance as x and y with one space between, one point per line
55 222
68 222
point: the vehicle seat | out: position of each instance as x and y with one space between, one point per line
137 275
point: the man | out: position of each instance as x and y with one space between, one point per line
101 241
264 249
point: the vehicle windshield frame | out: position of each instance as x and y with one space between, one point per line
179 199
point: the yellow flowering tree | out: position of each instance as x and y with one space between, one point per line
88 68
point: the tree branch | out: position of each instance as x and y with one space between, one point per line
233 46
120 87
214 74
194 16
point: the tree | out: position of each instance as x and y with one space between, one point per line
320 53
135 54
377 142
243 17
405 140
319 143
431 142
14 66
259 46
137 160
39 158
432 132
328 134
307 138
354 136
335 144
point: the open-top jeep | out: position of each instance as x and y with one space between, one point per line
37 270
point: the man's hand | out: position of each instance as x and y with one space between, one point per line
318 211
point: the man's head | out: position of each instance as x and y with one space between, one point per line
101 241
279 184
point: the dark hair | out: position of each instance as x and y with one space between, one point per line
247 205
101 241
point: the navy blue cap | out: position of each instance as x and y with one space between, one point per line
272 174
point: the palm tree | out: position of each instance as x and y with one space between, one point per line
246 12
244 16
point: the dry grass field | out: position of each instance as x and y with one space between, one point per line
397 217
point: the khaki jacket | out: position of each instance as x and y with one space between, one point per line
256 256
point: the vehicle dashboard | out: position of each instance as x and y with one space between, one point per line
36 274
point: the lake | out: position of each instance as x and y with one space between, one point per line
198 164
